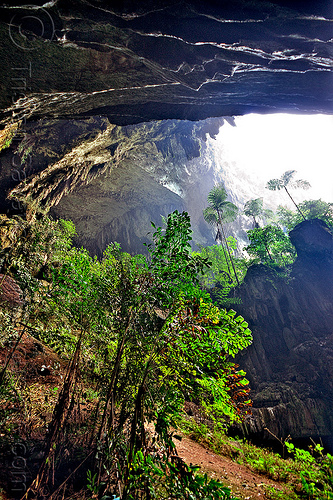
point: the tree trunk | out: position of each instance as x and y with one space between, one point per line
225 254
226 244
268 252
110 394
294 202
256 224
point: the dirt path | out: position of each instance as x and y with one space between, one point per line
243 483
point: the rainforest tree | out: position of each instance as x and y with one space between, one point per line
255 209
216 278
312 209
271 246
219 212
153 338
285 181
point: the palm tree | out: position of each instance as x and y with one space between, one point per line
255 209
220 211
286 180
211 217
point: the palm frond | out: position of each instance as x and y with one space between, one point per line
229 213
287 176
300 183
217 196
274 185
253 208
210 215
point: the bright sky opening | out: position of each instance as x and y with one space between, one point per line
268 145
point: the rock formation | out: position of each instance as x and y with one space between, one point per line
113 180
290 364
10 293
137 61
76 76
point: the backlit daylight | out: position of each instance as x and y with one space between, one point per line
267 145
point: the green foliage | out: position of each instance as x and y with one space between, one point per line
218 212
287 180
174 265
149 334
312 209
299 454
255 209
151 477
218 268
74 293
271 245
200 356
285 217
35 248
315 471
216 278
92 483
59 338
303 474
8 330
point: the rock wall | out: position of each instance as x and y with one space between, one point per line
139 61
113 180
290 363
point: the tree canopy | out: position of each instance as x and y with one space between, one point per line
218 212
149 335
255 208
285 181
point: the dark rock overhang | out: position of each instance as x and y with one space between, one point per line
85 71
138 61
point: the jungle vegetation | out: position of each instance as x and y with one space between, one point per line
139 336
268 239
133 338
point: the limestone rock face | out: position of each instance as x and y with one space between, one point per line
290 364
76 76
312 240
113 180
11 294
138 61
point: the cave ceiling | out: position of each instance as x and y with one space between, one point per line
115 100
138 61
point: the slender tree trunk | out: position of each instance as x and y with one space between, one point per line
256 224
294 203
268 252
110 395
228 250
138 413
60 413
3 372
225 253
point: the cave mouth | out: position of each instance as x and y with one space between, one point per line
177 162
113 180
265 146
